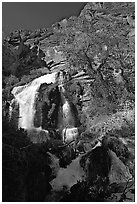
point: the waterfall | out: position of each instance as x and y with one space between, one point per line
25 97
69 131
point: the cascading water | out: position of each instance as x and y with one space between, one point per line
25 97
70 130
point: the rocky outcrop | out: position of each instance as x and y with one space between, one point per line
99 165
119 173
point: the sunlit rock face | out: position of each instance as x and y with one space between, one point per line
43 105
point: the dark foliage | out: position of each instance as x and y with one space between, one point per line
25 169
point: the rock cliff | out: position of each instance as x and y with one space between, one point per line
72 87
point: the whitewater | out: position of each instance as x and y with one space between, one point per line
25 96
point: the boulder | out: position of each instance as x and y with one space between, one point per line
119 173
100 166
67 177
